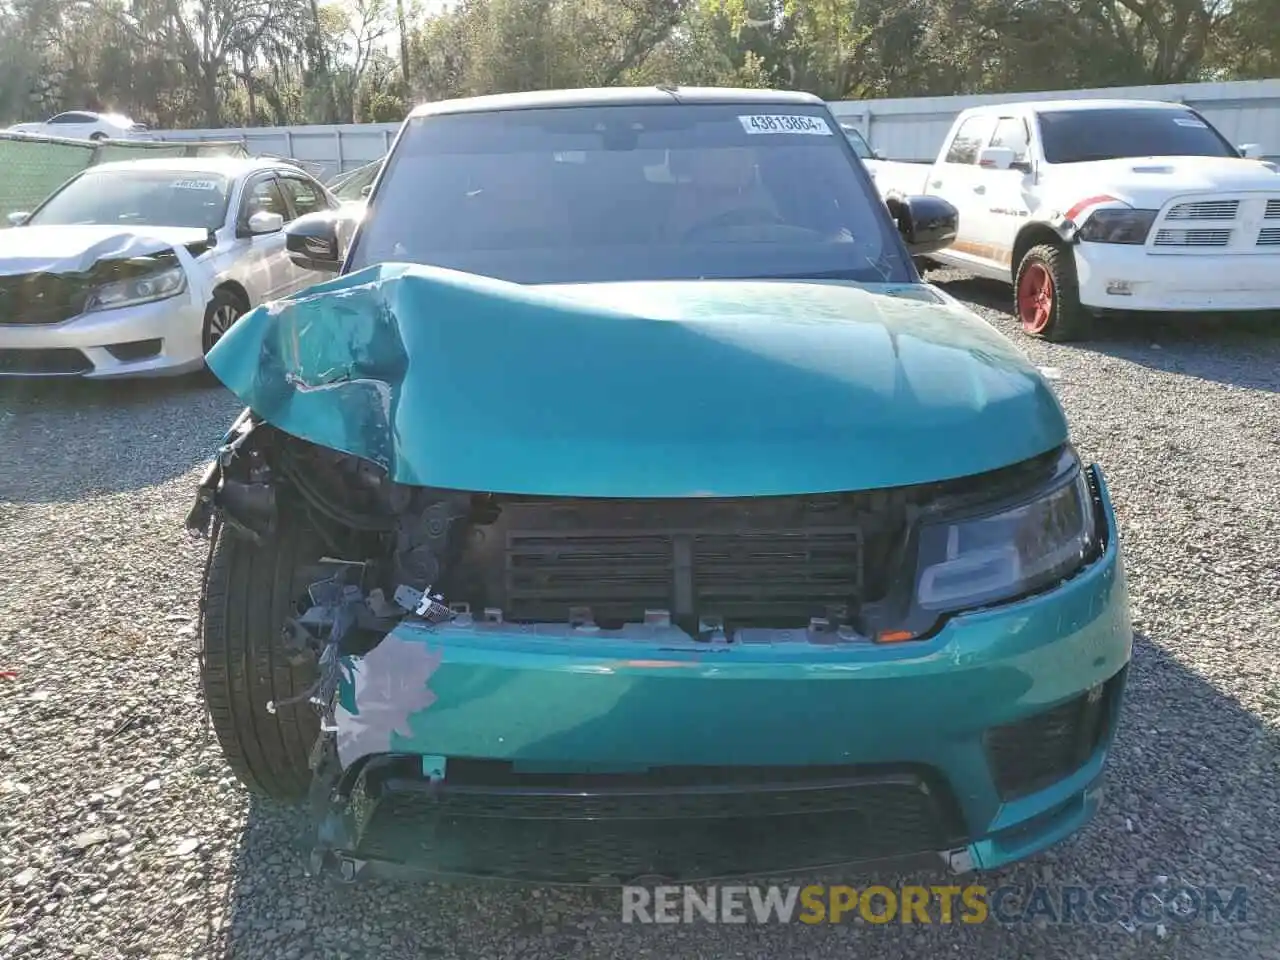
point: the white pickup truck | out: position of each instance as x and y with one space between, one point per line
1089 206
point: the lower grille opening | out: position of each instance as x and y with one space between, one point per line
691 823
43 361
1047 747
135 350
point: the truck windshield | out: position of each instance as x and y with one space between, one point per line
1077 136
155 198
856 141
631 192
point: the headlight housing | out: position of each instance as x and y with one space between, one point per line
975 561
147 288
1118 225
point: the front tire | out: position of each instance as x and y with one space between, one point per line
249 593
1046 296
220 315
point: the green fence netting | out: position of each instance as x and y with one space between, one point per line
31 168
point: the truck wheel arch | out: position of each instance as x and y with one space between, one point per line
1031 235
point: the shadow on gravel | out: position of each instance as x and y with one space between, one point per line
1243 351
1192 799
68 439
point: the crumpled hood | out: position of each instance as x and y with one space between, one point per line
655 389
75 249
1149 182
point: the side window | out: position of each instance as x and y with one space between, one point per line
262 196
306 196
969 140
72 118
1011 132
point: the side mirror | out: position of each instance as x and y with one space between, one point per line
264 222
18 218
312 242
1250 151
927 224
366 189
996 158
878 154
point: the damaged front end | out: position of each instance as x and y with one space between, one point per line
688 579
613 588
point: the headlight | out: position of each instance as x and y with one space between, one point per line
1118 226
973 562
144 289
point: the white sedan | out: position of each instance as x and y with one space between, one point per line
84 125
137 268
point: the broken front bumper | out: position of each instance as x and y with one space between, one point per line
553 753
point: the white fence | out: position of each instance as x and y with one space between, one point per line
907 129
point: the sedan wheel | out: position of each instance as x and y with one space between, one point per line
219 317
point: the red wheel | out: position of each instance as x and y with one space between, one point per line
1035 298
1046 297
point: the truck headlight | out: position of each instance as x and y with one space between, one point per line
1118 226
143 289
972 562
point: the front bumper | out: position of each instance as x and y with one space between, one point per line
151 339
1176 282
543 753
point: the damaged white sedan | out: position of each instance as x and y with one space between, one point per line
138 268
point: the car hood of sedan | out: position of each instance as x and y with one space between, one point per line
645 389
77 248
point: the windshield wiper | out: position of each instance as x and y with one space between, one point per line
844 273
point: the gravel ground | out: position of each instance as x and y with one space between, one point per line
122 832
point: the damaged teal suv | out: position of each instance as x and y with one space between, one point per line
627 507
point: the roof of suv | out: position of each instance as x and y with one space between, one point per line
613 96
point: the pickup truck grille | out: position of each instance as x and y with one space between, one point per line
1217 225
1210 237
1205 210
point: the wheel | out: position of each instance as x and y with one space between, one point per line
1047 295
223 310
249 593
97 135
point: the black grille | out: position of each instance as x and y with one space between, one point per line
135 350
41 298
1046 747
581 835
43 361
763 561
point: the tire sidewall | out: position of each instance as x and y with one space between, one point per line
1065 315
221 298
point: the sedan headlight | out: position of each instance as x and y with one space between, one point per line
142 289
1118 226
976 561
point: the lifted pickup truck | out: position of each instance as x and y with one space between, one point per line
1089 206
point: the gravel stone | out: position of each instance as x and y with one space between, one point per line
98 587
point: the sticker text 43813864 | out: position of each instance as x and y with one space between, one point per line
785 123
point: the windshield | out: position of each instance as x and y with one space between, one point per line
1075 136
856 141
156 198
636 192
351 186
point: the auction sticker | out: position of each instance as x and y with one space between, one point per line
195 185
785 123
